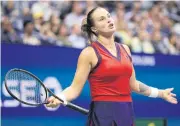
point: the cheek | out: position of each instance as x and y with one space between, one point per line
101 25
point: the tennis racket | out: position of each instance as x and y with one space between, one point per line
31 89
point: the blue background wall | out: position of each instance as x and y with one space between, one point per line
57 65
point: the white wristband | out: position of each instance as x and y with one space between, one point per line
154 92
61 96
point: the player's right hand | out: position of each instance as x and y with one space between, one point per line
53 102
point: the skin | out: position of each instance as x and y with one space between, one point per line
88 59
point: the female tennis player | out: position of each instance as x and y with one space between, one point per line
108 67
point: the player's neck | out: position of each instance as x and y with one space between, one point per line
106 41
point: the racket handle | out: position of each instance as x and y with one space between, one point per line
70 105
77 108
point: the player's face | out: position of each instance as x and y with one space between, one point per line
103 22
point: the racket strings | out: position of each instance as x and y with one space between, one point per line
25 87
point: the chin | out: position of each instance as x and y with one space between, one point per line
111 31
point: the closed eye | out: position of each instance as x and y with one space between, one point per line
101 18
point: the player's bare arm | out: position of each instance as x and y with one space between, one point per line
141 88
84 66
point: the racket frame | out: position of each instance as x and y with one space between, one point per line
68 104
37 79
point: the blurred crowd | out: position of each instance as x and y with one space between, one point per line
145 26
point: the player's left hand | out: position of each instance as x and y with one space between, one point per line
167 95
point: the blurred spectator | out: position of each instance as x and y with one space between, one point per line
155 13
174 43
63 35
156 26
75 37
136 45
121 26
43 8
63 7
26 15
38 21
54 22
176 28
145 26
90 5
166 26
9 9
47 37
172 10
147 46
28 36
41 11
142 43
176 31
136 10
146 18
158 43
76 16
8 34
46 30
178 43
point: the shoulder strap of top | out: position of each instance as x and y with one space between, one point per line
125 51
98 56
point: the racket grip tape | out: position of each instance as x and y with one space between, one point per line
77 108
